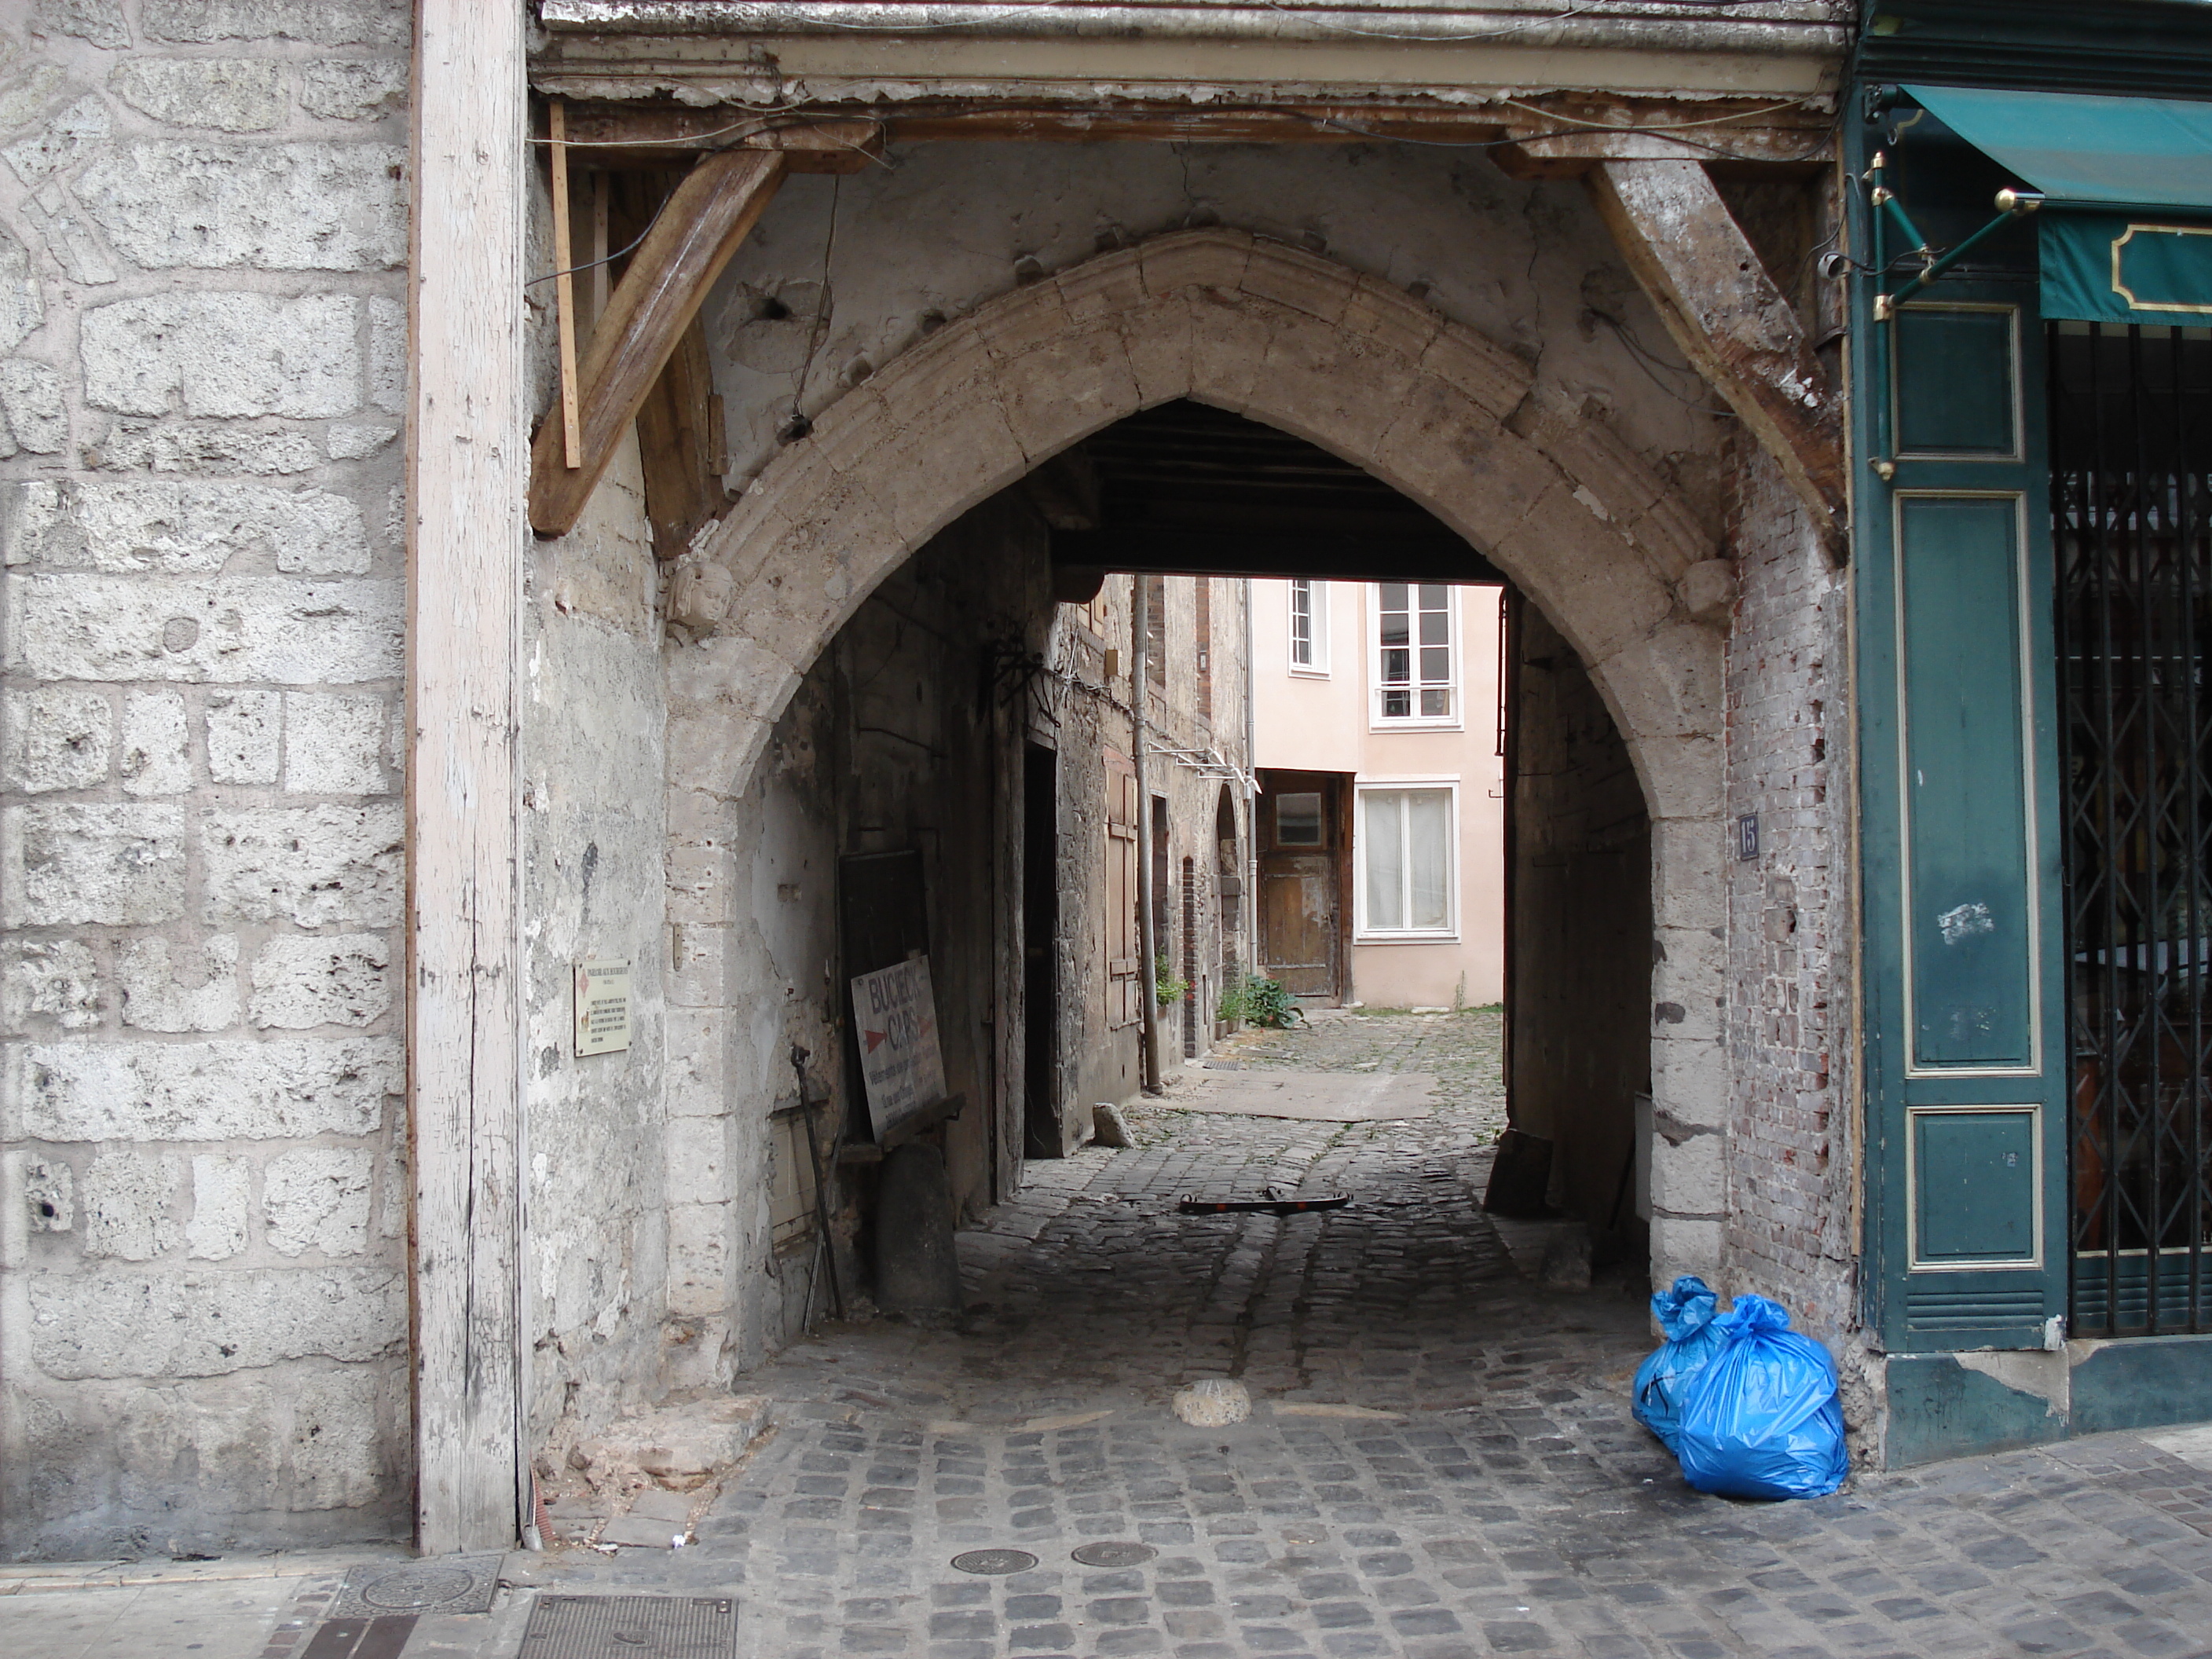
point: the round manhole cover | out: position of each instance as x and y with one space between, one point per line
413 1590
995 1562
1113 1554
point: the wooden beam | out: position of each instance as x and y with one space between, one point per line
616 135
702 224
465 540
1150 550
1574 154
676 443
1582 125
1725 313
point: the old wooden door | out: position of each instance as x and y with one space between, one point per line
1301 849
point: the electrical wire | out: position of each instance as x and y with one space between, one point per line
594 263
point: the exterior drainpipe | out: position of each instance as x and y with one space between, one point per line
1148 964
1251 906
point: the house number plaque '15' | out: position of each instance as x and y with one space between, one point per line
602 1007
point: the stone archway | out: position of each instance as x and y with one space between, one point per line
1363 369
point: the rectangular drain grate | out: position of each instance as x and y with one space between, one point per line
631 1627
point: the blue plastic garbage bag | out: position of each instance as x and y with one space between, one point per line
1686 1315
1761 1419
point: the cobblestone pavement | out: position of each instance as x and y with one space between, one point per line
1440 1462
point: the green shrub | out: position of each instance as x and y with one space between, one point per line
1268 1002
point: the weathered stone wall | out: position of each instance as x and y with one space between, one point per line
899 738
611 1167
1791 1152
1581 947
201 338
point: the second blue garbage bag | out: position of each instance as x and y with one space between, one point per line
1685 1314
1761 1418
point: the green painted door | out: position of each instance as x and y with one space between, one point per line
1962 925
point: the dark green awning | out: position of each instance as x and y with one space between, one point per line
2101 152
2127 226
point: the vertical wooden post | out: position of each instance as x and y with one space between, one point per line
468 472
564 284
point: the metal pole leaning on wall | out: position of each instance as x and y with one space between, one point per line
1148 961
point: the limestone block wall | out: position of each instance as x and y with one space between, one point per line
202 1295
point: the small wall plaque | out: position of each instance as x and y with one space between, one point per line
1747 835
602 1007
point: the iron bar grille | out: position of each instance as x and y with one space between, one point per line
2130 447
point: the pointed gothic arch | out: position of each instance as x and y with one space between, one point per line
1590 532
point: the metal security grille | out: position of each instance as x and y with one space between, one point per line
2132 446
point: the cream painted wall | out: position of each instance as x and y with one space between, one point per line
1323 722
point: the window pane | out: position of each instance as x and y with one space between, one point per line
1385 861
1436 628
1397 665
1436 664
1396 704
1298 820
1428 857
1436 704
1394 596
1432 596
1395 629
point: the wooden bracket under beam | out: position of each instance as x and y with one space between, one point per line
635 134
1730 319
702 225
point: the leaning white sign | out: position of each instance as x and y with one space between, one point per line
896 1013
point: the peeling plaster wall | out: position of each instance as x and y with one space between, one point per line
202 1292
613 1162
945 226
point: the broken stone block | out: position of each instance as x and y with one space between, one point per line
679 1447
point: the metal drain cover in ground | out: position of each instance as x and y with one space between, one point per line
995 1562
632 1627
1112 1554
453 1584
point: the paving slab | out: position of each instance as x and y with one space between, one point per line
1312 1097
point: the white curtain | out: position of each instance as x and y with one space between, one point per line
1386 859
1408 858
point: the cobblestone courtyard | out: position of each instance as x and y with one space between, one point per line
1440 1462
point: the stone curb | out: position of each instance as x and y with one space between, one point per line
33 1578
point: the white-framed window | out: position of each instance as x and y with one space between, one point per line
1406 845
1309 627
1415 655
